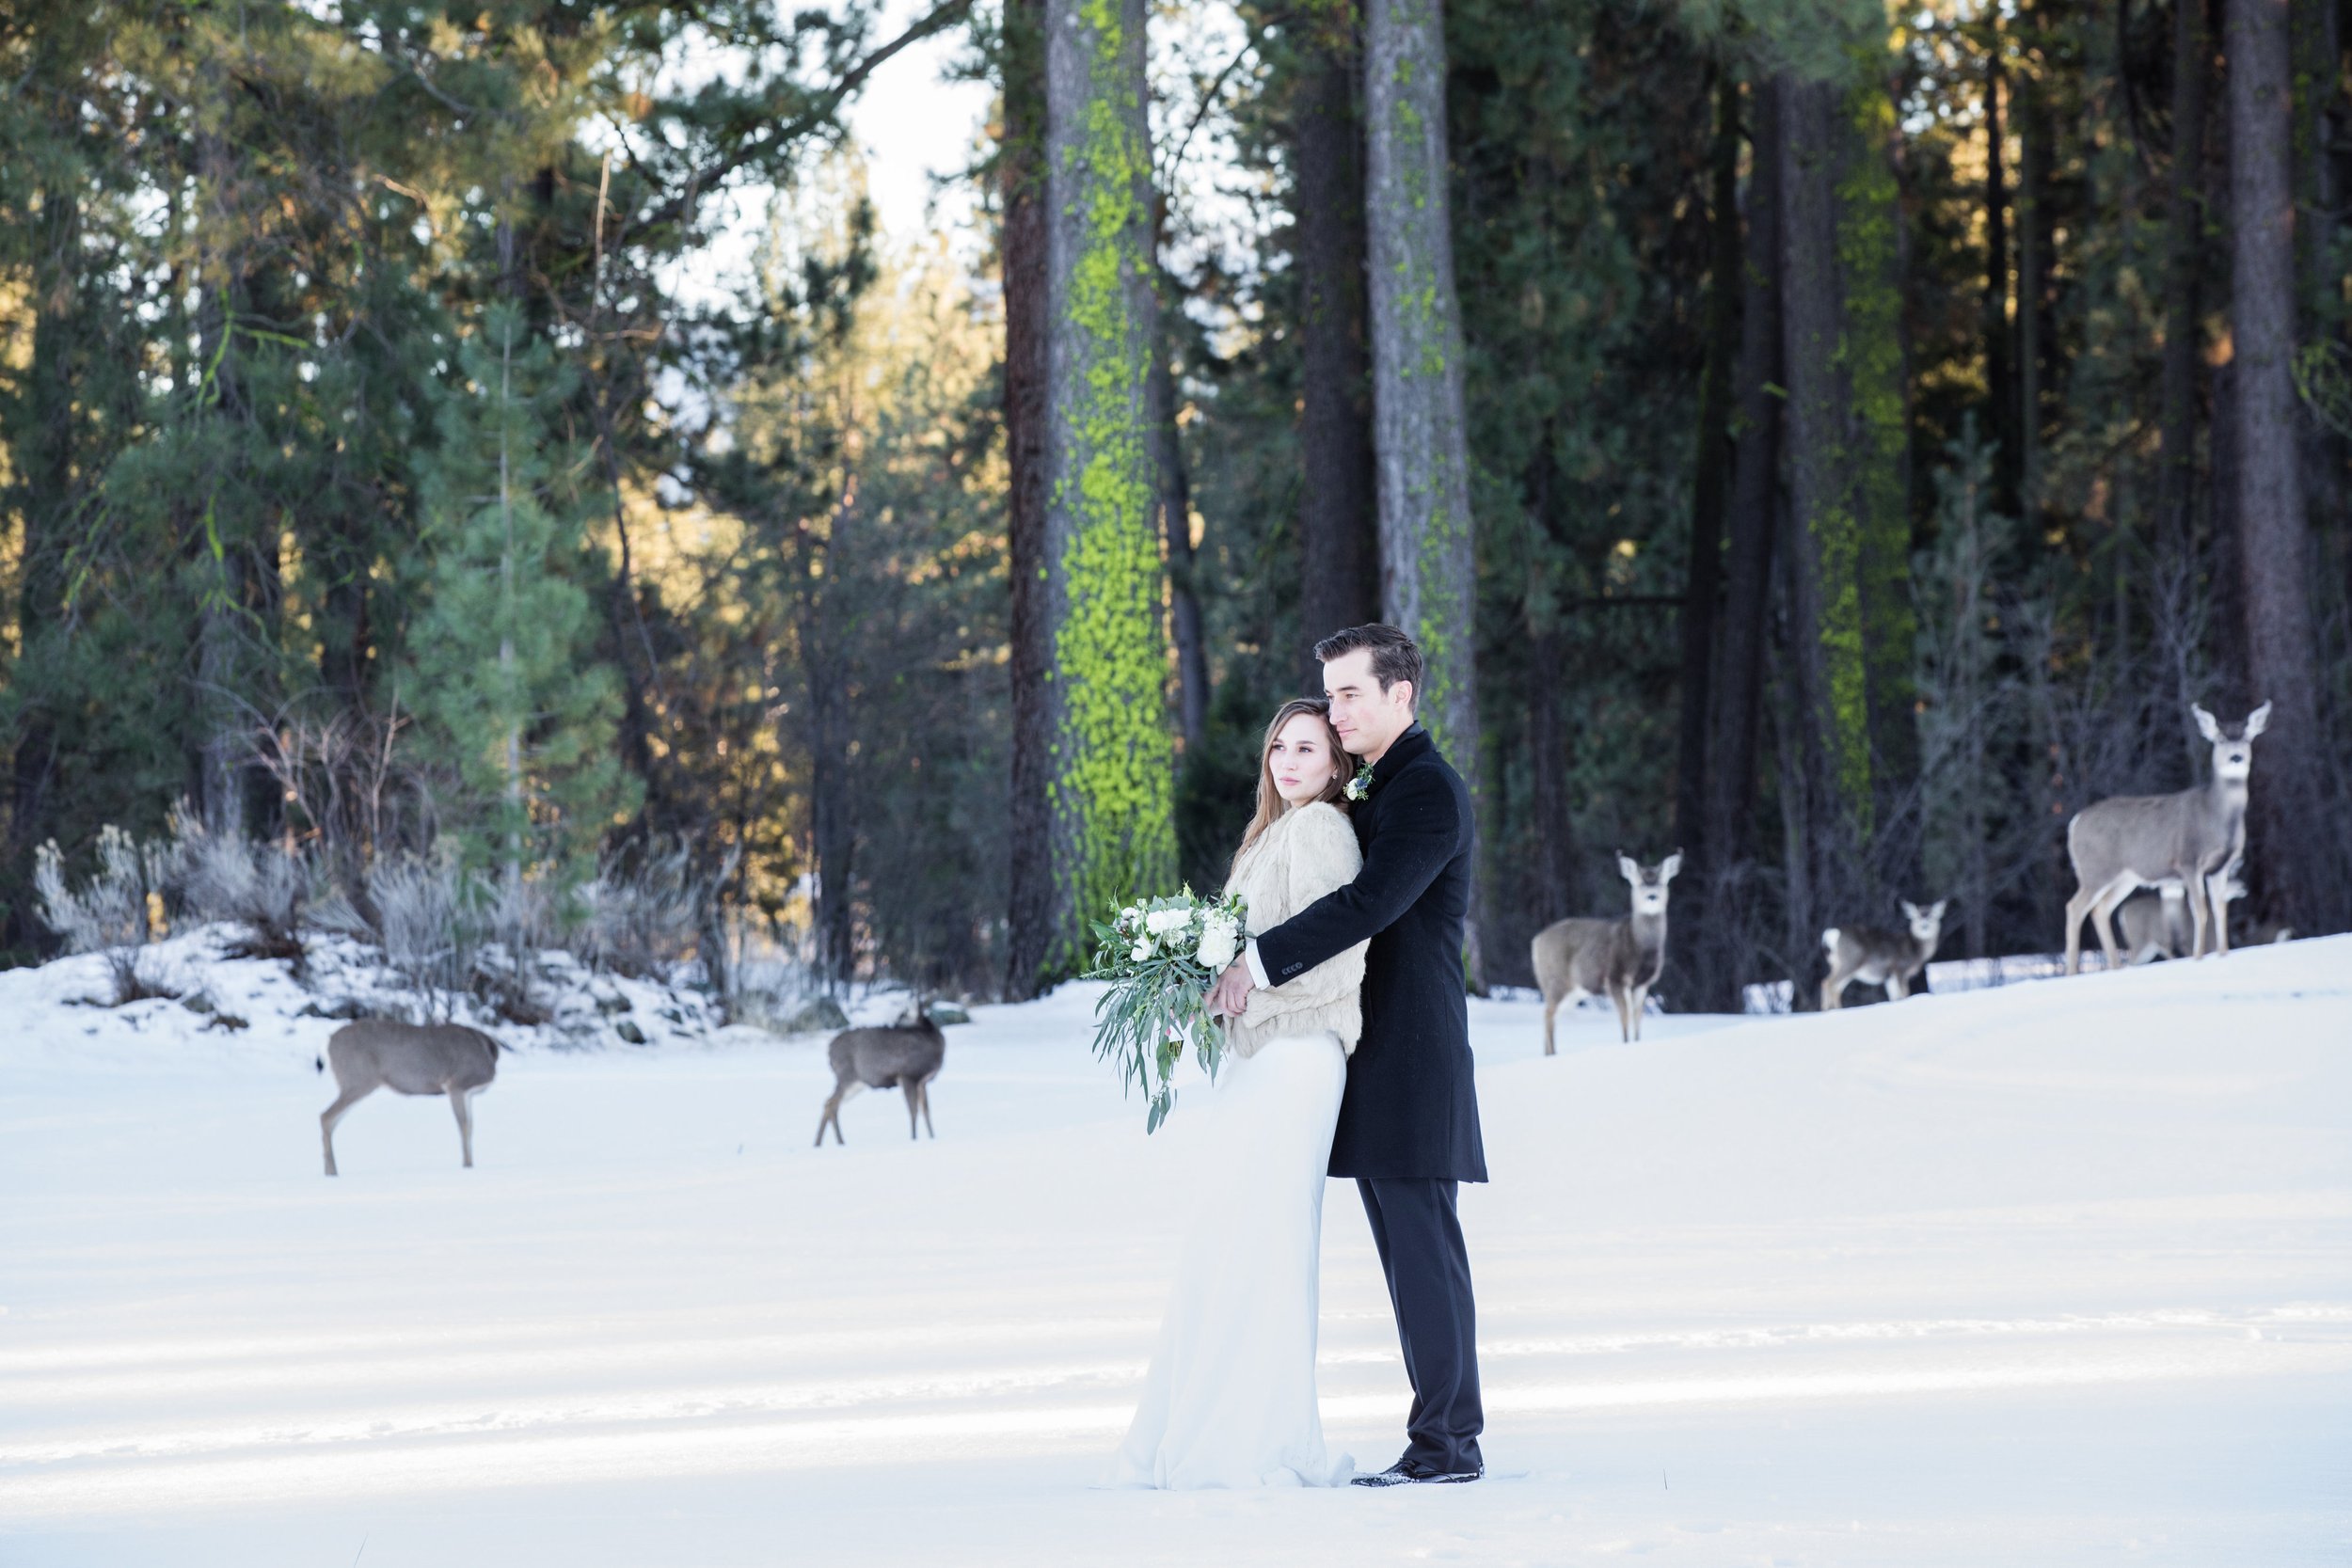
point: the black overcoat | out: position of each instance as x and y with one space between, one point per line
1411 1105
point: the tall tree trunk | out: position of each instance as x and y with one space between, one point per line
1339 543
2320 129
2000 362
1703 572
832 787
1174 507
1829 673
2035 134
1428 575
2294 840
2185 221
1848 432
1030 926
1740 647
1711 470
1550 822
47 494
1113 780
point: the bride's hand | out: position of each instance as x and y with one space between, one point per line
1230 996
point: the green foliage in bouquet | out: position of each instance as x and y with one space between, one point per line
1161 956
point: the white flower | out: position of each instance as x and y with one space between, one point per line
1142 950
1161 921
1358 788
1220 939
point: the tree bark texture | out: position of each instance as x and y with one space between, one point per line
2185 223
47 496
1999 361
1847 433
1712 459
1710 471
1337 509
2292 840
1175 525
1737 687
1031 923
1113 782
1421 433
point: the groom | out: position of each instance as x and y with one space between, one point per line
1408 1124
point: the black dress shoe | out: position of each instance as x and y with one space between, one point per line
1412 1472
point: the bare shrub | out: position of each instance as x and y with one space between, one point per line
259 888
429 933
110 914
642 915
131 976
519 919
110 909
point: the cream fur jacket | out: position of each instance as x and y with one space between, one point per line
1303 854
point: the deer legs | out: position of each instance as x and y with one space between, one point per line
461 1102
333 1114
918 1093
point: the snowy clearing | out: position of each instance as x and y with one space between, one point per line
2055 1274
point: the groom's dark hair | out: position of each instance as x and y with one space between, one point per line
1394 656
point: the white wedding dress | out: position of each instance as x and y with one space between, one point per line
1231 1398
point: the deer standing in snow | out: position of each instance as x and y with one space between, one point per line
906 1056
408 1058
1617 959
2191 837
1877 957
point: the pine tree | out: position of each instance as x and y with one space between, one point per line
503 670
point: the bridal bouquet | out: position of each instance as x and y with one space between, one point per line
1161 956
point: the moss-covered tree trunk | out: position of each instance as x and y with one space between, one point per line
1020 167
1112 784
1339 544
2290 843
1428 577
1847 434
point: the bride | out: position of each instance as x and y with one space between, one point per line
1231 1398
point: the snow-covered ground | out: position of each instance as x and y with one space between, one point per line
2056 1274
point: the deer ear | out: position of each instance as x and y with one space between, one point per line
2205 726
1671 865
1935 911
1910 910
1626 869
2258 722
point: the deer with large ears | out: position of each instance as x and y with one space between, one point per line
2191 837
1617 959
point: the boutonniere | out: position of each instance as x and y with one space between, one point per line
1360 787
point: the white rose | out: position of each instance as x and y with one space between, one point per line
1161 921
1142 950
1219 943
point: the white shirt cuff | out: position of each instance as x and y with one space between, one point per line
1256 967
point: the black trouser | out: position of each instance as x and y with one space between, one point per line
1413 1224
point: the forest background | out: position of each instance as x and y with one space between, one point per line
1838 442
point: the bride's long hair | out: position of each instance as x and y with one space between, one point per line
1270 801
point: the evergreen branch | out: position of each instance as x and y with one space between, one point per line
679 207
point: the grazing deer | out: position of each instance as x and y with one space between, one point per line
1877 957
408 1058
2192 837
1617 958
904 1055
